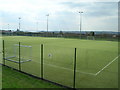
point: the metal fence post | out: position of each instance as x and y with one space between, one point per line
19 58
74 78
3 52
42 61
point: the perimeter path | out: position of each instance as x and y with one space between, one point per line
107 65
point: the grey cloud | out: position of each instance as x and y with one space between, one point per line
95 8
74 5
103 9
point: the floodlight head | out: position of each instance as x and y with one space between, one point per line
80 12
47 15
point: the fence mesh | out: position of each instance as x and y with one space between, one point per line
33 54
58 64
1 49
90 64
11 54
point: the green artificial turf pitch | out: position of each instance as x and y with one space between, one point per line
97 61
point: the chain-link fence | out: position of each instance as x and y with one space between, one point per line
1 57
72 67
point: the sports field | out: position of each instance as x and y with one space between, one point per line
97 61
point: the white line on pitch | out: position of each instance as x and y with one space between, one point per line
106 65
68 69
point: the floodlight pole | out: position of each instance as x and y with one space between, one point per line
8 26
37 25
80 22
47 22
19 23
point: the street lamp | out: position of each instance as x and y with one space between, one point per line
80 22
19 22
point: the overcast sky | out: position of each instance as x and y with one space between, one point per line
63 14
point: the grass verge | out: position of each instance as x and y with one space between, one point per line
14 79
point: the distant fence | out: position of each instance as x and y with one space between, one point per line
101 36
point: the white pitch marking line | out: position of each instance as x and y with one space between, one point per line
68 69
107 65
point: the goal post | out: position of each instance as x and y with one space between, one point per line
25 53
91 36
